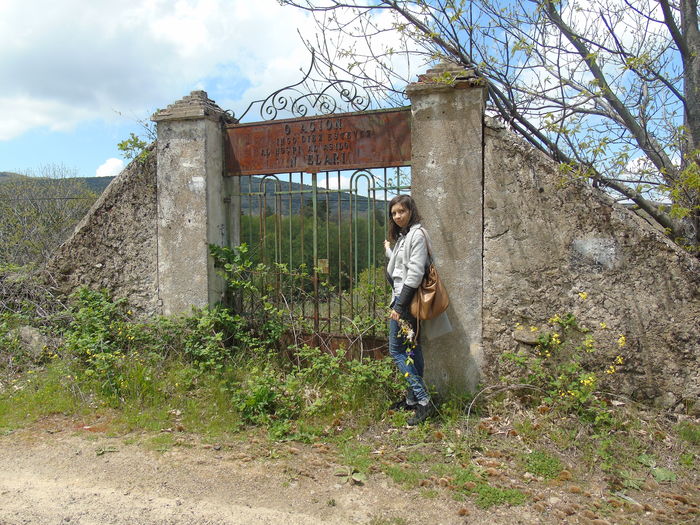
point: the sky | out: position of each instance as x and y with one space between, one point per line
76 77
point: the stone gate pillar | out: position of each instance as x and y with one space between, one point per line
447 105
191 202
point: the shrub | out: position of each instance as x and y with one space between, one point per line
560 370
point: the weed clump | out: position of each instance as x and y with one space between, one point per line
220 370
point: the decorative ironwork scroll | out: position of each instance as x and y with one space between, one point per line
305 99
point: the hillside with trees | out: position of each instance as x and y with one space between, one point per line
37 213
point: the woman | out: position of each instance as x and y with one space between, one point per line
407 263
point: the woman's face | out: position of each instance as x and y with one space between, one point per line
400 215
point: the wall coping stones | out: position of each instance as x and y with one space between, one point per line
445 76
196 105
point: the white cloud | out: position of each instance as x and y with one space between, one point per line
65 62
110 168
22 113
334 181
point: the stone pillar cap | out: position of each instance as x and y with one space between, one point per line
196 105
446 75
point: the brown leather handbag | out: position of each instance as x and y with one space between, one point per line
431 298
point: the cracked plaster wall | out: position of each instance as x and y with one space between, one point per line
546 240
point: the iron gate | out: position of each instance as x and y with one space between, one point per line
314 193
322 236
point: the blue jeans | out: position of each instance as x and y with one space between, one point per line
417 390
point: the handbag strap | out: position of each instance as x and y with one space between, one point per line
427 245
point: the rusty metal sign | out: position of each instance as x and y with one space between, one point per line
373 139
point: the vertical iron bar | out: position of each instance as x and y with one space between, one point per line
351 253
314 207
303 260
340 258
278 243
327 256
373 263
291 215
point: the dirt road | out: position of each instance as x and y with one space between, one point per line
61 471
57 475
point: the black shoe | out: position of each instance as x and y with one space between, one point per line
423 412
402 405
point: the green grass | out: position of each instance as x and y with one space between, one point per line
488 496
408 476
459 474
39 394
161 442
687 459
417 457
543 464
689 432
357 456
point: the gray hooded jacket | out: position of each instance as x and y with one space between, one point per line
410 257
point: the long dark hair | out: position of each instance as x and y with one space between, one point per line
407 202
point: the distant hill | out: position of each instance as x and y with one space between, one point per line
6 175
250 204
289 199
96 184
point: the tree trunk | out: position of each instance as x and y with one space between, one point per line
689 29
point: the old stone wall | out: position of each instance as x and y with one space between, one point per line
115 245
553 246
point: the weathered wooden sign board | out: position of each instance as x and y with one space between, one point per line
373 139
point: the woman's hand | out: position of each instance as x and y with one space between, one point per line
394 315
387 244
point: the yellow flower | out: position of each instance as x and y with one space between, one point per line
533 328
406 374
610 370
622 341
603 326
518 326
583 295
555 338
619 360
554 319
